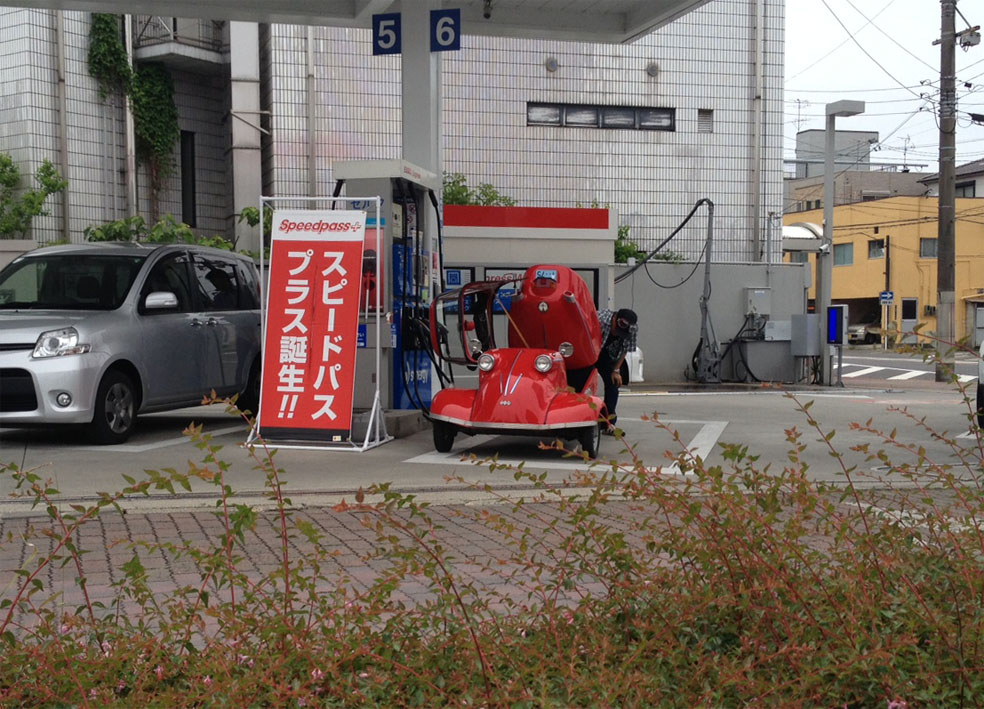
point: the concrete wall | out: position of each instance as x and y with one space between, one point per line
667 298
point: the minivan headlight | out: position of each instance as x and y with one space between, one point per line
56 343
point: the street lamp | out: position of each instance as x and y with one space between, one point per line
826 254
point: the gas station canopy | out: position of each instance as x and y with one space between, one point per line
616 21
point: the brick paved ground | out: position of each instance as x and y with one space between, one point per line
481 555
481 541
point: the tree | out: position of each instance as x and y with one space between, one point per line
16 213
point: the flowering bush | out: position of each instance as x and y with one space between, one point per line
731 585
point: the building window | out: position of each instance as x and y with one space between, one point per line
582 116
705 120
843 254
965 189
656 118
189 206
593 116
927 248
876 248
615 117
539 114
799 257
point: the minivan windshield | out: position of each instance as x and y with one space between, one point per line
68 281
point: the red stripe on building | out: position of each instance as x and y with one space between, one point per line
459 215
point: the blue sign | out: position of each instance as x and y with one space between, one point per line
445 30
362 339
837 316
886 297
453 276
386 34
548 273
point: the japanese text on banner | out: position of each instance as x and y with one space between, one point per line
312 322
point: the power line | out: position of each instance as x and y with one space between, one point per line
890 2
890 37
853 91
866 53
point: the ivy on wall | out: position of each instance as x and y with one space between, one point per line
151 91
108 64
155 121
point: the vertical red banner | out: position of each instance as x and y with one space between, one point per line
311 325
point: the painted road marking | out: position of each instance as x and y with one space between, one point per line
126 448
912 374
862 372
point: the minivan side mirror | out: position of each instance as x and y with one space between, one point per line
161 300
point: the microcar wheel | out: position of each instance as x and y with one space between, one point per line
249 398
443 436
590 440
115 409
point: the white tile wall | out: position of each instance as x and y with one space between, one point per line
653 178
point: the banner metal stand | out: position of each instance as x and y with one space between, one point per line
376 433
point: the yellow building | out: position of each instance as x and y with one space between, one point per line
890 245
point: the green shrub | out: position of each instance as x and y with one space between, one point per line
17 212
457 191
733 585
166 230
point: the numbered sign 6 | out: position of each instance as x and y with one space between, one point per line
445 34
386 38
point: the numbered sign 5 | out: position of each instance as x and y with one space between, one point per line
445 30
386 38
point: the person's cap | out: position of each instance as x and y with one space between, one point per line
628 314
626 319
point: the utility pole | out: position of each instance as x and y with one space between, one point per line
945 246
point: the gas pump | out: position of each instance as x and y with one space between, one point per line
406 236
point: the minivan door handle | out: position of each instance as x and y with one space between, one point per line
196 323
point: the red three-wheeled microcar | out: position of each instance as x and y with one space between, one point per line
543 382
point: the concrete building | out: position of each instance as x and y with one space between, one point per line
968 180
691 111
890 245
854 186
852 151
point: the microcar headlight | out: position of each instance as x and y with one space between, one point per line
56 343
543 363
486 362
566 349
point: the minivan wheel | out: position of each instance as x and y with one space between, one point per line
115 409
249 398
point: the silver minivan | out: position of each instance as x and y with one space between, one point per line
97 333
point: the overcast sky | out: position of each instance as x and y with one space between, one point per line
891 64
